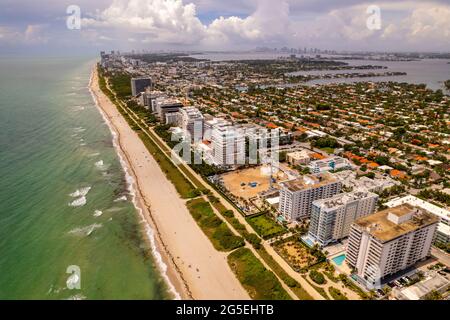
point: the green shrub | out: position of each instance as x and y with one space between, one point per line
217 231
260 283
336 294
228 213
317 277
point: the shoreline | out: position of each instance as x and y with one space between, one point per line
174 286
181 251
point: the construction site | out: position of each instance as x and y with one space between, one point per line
245 185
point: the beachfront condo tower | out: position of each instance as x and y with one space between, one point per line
384 244
191 122
296 196
331 218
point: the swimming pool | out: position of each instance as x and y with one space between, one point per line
339 259
308 241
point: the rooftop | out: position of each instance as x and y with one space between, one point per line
414 201
309 181
343 198
298 154
391 223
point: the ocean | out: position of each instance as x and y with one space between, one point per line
68 226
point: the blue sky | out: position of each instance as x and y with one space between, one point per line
406 25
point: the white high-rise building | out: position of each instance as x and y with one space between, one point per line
228 144
331 218
296 196
389 241
191 122
167 105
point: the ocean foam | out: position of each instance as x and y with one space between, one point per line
78 202
80 192
98 213
114 209
130 186
99 164
79 129
95 154
77 297
122 198
85 231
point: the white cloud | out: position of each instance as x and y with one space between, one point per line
171 21
166 21
268 23
406 24
31 35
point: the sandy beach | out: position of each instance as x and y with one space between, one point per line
194 267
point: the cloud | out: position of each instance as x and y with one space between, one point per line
32 34
172 22
164 21
268 23
231 24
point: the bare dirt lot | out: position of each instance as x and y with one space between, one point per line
238 182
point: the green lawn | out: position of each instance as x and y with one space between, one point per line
282 274
266 227
328 150
260 283
217 231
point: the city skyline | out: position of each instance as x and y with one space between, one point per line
48 27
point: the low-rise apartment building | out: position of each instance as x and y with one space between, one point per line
329 164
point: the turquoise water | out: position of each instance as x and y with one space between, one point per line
339 259
63 193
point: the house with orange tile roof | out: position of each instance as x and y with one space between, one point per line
420 158
372 165
398 174
317 156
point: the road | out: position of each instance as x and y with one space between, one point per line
441 256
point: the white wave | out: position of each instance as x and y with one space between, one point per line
78 202
80 192
77 297
95 154
114 209
79 129
72 280
99 164
98 213
122 198
149 231
85 231
78 108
